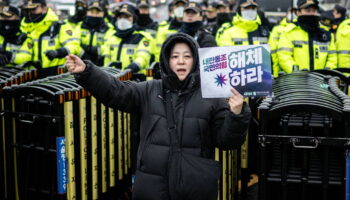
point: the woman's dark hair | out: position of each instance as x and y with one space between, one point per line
172 46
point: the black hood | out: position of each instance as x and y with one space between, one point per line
170 80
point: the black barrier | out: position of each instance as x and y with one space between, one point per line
61 143
304 131
9 76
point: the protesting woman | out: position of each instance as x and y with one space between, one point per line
179 129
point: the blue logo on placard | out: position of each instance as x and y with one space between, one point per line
220 80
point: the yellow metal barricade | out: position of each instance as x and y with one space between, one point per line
111 142
69 135
83 148
103 148
120 146
94 156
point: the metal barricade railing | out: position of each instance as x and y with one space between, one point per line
304 131
61 143
346 90
9 76
228 185
153 72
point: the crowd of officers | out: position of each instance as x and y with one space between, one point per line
126 37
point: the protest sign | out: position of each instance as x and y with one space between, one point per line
245 68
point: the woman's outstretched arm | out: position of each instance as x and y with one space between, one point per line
125 96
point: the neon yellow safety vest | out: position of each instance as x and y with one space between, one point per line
22 49
136 48
343 44
242 32
163 33
50 34
273 41
95 38
295 48
71 23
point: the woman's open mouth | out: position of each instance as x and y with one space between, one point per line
181 71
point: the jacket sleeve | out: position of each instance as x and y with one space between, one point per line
332 55
207 41
229 129
285 53
24 54
105 50
223 37
125 96
143 53
343 47
273 42
159 40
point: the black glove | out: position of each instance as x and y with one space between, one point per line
134 67
3 60
85 47
59 53
51 54
89 50
116 64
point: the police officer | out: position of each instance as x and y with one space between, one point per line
233 5
128 48
245 29
15 47
165 29
144 20
193 25
211 17
339 14
327 20
305 44
114 14
170 12
343 46
80 13
52 40
93 32
223 16
108 14
275 37
204 7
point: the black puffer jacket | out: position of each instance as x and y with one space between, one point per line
197 118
